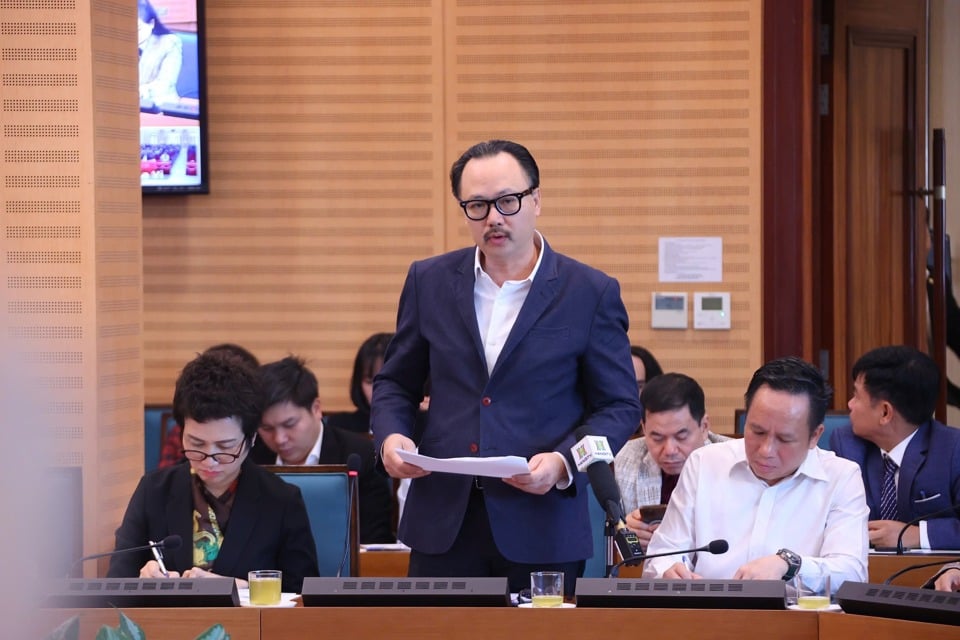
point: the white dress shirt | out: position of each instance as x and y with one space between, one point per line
497 308
820 512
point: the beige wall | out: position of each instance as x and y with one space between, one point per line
333 129
70 212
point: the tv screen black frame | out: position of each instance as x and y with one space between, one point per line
174 137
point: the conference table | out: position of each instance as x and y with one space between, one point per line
460 623
393 564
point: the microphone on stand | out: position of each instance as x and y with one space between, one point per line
593 455
936 514
170 543
354 463
714 546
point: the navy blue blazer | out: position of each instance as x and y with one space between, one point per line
565 363
929 477
268 526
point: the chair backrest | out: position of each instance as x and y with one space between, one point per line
831 421
325 489
157 422
597 565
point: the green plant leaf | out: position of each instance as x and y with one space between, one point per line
216 632
110 633
69 630
129 629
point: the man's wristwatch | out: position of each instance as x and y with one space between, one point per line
793 563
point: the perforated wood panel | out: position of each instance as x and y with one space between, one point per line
333 127
70 214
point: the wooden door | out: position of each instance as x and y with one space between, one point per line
874 140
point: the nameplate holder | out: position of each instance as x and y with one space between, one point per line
905 603
403 592
681 594
76 593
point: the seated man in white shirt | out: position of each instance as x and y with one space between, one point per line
786 507
675 424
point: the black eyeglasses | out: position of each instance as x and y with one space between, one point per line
219 457
507 205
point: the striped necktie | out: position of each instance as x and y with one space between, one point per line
888 493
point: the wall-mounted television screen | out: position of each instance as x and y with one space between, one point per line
173 113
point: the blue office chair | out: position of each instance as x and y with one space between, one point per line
325 488
831 421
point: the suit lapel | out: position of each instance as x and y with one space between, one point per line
542 292
873 463
330 449
913 459
243 518
179 512
463 284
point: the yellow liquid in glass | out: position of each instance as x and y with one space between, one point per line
547 601
813 602
265 592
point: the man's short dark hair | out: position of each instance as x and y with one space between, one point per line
288 380
796 377
903 376
213 387
492 148
673 391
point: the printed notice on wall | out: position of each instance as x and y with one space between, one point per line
691 259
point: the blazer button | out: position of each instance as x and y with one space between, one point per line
487 401
473 447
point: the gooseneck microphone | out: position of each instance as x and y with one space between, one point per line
593 455
714 546
170 543
952 509
354 463
925 565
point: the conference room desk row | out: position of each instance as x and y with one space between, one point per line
393 564
457 623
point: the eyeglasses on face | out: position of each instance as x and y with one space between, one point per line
507 205
219 457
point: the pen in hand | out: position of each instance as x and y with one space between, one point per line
159 558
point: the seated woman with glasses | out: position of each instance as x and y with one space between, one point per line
232 516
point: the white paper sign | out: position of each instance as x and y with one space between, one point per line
691 259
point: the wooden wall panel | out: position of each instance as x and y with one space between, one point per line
645 120
333 127
326 161
70 215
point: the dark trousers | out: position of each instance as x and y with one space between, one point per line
474 554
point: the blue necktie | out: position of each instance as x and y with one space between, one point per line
888 493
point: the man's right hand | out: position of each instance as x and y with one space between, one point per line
396 467
949 580
152 570
643 530
680 571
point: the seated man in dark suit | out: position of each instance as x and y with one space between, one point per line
910 462
292 432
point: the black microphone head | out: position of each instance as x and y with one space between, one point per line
718 546
354 462
581 432
171 542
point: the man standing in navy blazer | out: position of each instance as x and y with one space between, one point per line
895 391
522 345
